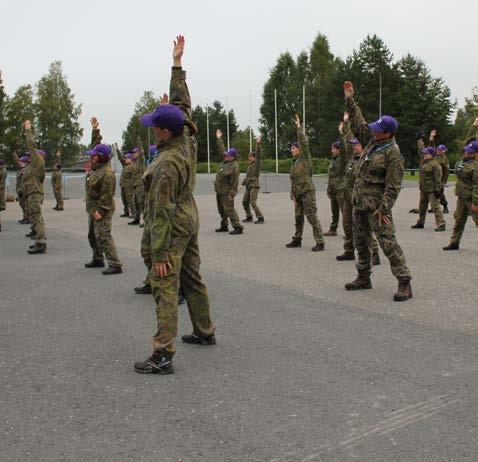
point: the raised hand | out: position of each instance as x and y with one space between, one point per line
348 89
218 133
27 125
178 50
94 122
433 134
346 117
297 120
341 127
475 123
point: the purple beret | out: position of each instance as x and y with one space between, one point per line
167 116
41 152
336 145
230 152
153 149
354 141
471 147
128 156
442 147
101 150
295 144
384 124
24 159
134 150
429 150
2 162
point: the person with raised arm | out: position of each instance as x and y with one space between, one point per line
125 181
303 191
57 182
378 183
172 222
138 168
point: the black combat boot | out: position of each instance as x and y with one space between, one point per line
146 289
95 264
430 211
376 259
194 339
414 211
112 270
318 248
59 209
445 209
160 362
181 299
236 231
124 215
404 291
247 220
345 256
440 228
37 249
452 246
360 283
55 208
418 226
134 222
30 234
222 229
294 243
331 232
141 225
259 220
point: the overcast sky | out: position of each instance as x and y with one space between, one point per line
113 50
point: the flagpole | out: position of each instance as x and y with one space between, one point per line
277 143
208 145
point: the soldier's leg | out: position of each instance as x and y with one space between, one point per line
422 207
102 229
374 245
59 199
246 202
97 254
140 201
146 252
299 219
461 215
231 213
195 291
254 194
436 208
137 207
31 212
130 199
347 225
38 225
310 210
2 199
388 242
335 208
362 238
124 200
220 209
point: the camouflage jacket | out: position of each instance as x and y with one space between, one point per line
34 172
254 170
100 185
430 176
379 170
336 184
227 177
19 182
445 168
170 179
301 170
122 181
3 177
56 179
138 165
466 178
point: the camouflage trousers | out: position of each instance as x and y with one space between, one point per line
306 206
138 201
347 224
443 201
146 251
364 225
34 203
22 201
335 207
124 199
130 200
2 199
59 197
463 210
101 241
250 200
225 207
429 198
185 261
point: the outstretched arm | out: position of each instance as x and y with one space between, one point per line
303 141
35 158
178 88
139 145
357 122
257 162
15 158
95 132
220 144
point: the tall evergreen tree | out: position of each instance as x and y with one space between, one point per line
3 103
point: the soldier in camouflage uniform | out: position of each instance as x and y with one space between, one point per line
57 184
100 185
252 185
430 189
335 186
378 183
33 178
22 163
226 186
138 187
303 191
125 182
442 159
466 190
173 224
3 183
351 150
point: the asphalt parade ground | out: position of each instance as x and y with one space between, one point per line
302 371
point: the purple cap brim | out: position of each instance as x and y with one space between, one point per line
354 141
91 152
375 127
147 120
469 149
